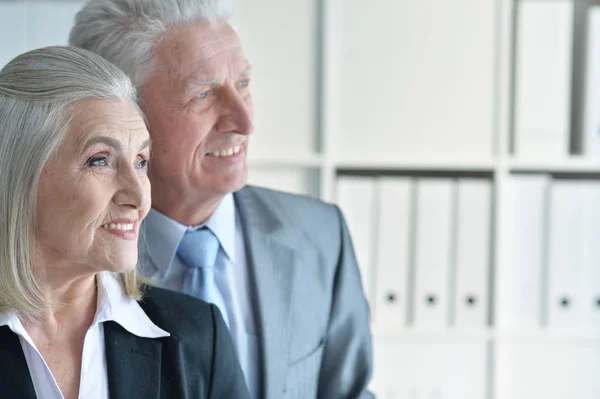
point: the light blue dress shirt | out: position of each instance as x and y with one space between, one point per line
159 239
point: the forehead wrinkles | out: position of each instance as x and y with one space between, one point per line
107 121
210 59
110 125
215 68
213 48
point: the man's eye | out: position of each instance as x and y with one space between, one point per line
204 94
244 83
97 161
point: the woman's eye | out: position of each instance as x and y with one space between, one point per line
204 94
97 161
244 83
142 164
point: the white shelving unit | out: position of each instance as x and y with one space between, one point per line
345 149
393 87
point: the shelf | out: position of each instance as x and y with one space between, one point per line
315 160
549 335
291 161
566 165
387 333
417 334
403 163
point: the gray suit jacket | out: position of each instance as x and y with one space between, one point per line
312 316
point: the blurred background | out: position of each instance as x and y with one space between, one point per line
462 140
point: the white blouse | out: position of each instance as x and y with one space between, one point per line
112 305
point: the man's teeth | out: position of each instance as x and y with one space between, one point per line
227 152
118 226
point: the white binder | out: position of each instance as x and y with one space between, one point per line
543 78
356 198
394 236
433 251
567 229
12 31
472 262
520 295
590 287
591 124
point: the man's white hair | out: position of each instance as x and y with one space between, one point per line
126 31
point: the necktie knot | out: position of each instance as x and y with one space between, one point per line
199 248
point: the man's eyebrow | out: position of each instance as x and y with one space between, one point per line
195 83
116 144
247 72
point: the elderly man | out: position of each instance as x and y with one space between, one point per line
280 267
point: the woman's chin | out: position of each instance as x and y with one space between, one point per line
124 266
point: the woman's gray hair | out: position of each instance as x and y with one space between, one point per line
126 31
38 91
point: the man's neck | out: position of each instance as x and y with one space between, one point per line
190 214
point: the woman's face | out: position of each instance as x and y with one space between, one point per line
94 192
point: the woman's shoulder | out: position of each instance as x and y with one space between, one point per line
178 313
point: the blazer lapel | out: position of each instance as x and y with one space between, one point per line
272 263
16 381
133 364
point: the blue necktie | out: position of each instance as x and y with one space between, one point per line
198 250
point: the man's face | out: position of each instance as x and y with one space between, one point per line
199 110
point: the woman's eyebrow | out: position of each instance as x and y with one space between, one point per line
116 144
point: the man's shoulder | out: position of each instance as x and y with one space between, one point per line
177 313
289 204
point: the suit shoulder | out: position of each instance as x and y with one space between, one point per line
177 313
300 208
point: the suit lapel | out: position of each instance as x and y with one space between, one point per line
133 363
272 263
16 381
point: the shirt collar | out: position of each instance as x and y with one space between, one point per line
222 223
112 305
11 320
160 237
163 234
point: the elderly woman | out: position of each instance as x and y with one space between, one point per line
74 320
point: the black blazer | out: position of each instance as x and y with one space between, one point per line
197 361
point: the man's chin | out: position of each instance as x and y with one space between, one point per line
236 184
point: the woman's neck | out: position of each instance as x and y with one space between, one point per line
59 334
72 306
